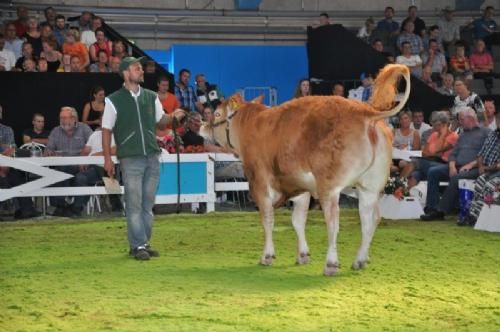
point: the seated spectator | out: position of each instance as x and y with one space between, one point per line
405 138
101 66
447 88
462 165
364 91
303 89
459 63
75 65
46 32
51 54
193 141
150 67
417 21
12 42
338 89
7 57
27 53
486 25
436 60
365 31
37 133
208 95
489 114
119 49
466 99
60 30
408 35
427 77
435 152
168 100
29 66
93 110
42 66
418 122
50 16
75 48
114 65
184 92
412 61
33 36
21 22
388 24
434 34
82 22
378 46
101 44
68 139
66 64
481 62
88 36
488 161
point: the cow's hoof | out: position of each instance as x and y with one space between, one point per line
267 260
331 269
358 265
303 258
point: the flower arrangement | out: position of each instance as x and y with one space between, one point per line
167 142
493 198
397 186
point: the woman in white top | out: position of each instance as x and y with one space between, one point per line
405 138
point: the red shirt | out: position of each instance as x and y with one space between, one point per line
478 59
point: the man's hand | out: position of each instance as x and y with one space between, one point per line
109 167
443 131
453 170
179 114
466 168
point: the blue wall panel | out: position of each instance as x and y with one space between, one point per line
193 178
235 67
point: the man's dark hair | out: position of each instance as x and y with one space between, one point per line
184 70
37 114
325 15
433 27
338 83
488 8
459 44
389 7
432 40
59 16
47 9
376 41
101 30
405 42
162 78
411 7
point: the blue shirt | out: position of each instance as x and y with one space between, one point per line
6 136
385 25
479 31
186 96
469 144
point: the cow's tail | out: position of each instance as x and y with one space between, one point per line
385 90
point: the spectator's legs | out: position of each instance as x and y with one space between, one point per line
484 186
435 174
83 179
450 196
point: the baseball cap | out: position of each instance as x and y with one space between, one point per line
130 60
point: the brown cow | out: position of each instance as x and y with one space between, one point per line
315 146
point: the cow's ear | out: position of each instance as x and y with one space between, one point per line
258 100
235 101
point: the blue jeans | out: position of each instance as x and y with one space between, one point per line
141 176
435 174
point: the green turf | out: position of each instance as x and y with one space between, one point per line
76 276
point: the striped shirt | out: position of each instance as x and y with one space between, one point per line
186 97
490 152
6 136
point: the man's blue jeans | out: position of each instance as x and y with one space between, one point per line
435 174
140 179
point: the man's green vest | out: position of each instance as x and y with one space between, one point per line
135 125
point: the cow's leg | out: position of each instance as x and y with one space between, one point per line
369 215
331 211
299 218
267 217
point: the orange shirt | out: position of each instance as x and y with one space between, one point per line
451 139
170 103
77 49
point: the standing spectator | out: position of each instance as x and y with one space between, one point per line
208 94
27 53
417 21
21 22
131 114
412 61
303 89
51 54
449 28
388 24
486 25
365 31
7 57
447 87
466 99
60 30
12 42
88 36
481 61
324 19
33 36
407 35
42 65
184 92
435 60
68 139
101 44
489 114
418 122
101 66
459 63
119 49
74 48
338 89
168 100
50 16
93 110
37 133
462 165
